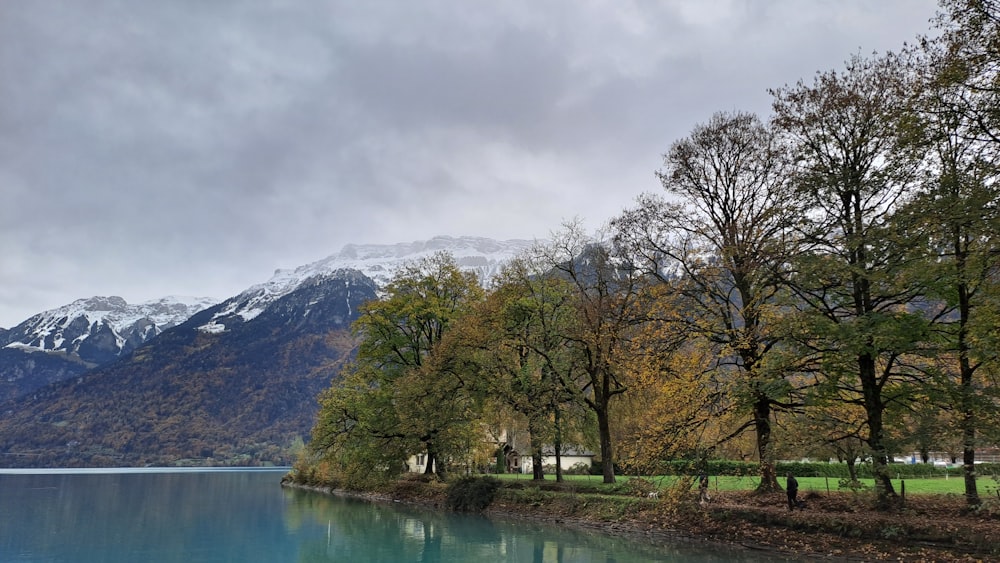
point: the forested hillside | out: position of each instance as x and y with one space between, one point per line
244 396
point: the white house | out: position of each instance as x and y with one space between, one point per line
569 458
417 463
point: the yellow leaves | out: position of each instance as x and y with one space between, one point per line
669 407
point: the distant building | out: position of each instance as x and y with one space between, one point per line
569 458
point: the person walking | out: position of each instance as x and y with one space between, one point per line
792 489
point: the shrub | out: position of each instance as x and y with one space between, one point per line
577 469
472 494
855 486
638 487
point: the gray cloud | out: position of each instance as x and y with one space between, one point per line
185 147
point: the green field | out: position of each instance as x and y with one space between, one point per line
941 486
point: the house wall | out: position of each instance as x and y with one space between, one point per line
417 463
567 461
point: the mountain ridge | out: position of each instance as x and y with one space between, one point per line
234 384
380 262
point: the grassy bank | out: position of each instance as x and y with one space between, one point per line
988 487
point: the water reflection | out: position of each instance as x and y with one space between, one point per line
245 516
356 530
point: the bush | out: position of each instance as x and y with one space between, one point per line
472 494
577 469
638 487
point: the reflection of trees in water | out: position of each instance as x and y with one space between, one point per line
363 531
234 516
356 530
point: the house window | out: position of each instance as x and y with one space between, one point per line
421 458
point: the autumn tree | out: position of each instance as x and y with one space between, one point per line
676 407
849 280
407 391
719 238
954 123
607 308
523 353
965 61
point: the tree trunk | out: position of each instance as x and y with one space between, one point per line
968 425
967 422
762 423
885 494
852 469
557 444
607 459
429 468
537 471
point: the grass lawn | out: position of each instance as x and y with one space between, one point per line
987 486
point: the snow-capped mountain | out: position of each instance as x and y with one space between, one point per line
380 262
249 388
101 328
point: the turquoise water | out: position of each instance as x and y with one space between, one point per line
244 516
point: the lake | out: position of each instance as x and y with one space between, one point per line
244 515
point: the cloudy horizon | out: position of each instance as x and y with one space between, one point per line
189 148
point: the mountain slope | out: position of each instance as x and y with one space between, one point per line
99 329
380 262
235 383
67 341
241 396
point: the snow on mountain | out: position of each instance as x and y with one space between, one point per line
101 328
381 261
117 323
378 261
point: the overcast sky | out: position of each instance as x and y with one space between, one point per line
191 147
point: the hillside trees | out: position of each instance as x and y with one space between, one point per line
720 239
850 281
407 391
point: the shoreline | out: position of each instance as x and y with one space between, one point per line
628 529
727 524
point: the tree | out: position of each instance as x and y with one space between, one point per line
521 345
964 59
831 425
957 213
854 173
676 406
607 309
720 240
408 390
